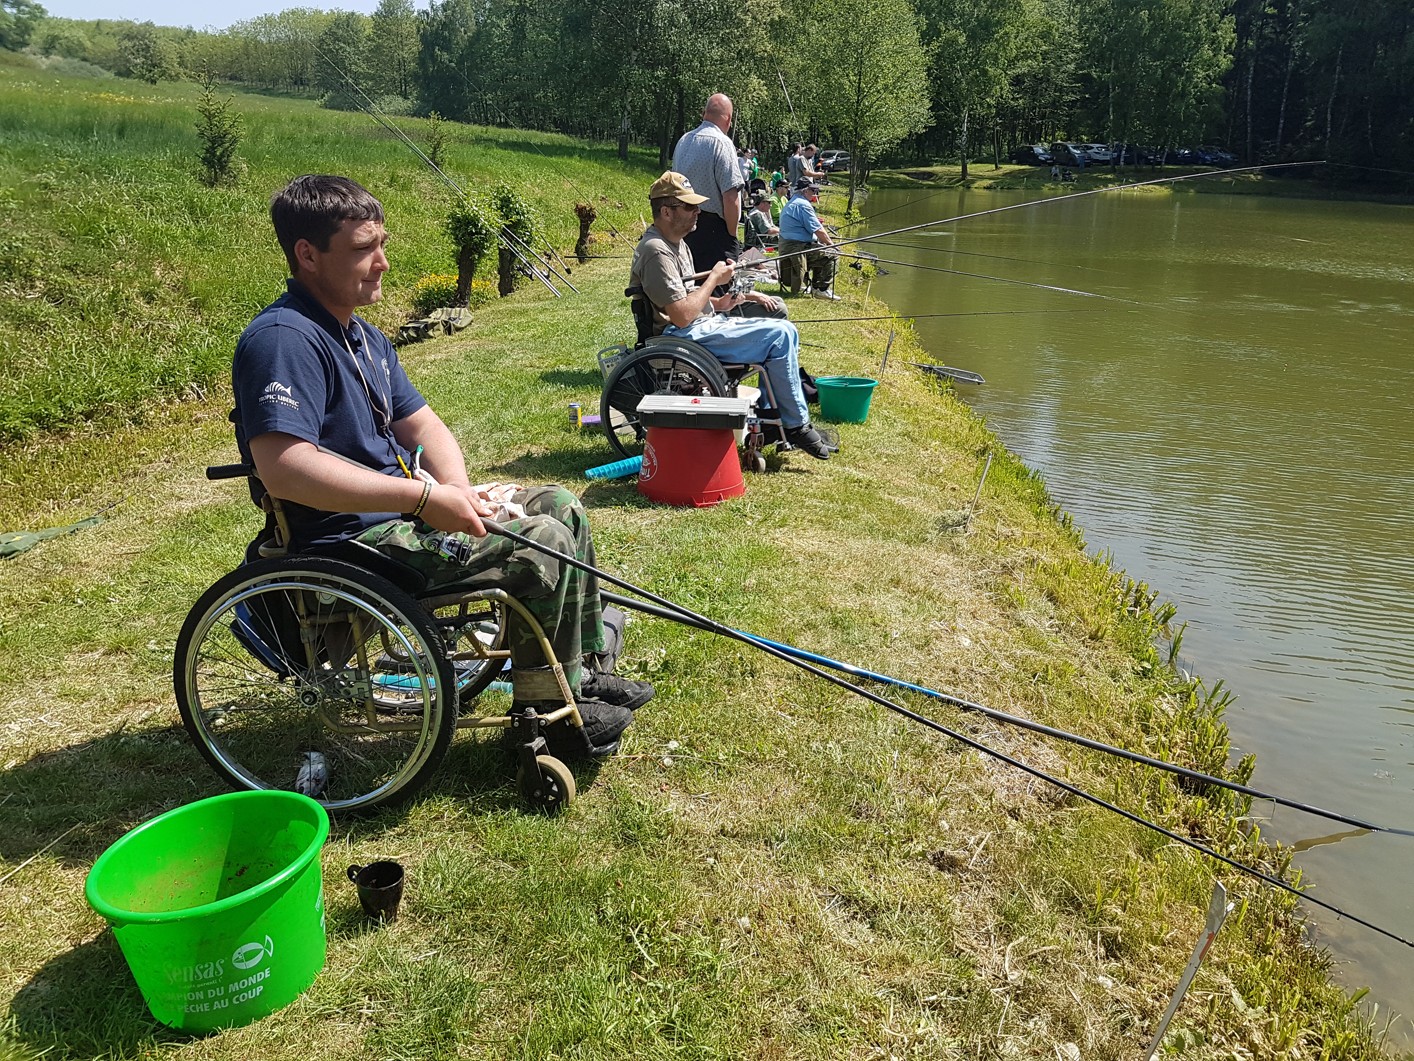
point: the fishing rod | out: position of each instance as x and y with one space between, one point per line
926 316
486 96
984 276
1048 201
980 254
385 122
564 279
679 613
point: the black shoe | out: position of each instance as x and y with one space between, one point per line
604 724
611 689
808 439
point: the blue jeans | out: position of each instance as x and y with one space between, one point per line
772 344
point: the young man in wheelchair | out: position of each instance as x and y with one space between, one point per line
663 271
334 428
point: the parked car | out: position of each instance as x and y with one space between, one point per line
1136 155
1031 155
833 161
1099 154
1218 157
1066 154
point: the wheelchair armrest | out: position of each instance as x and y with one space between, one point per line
229 471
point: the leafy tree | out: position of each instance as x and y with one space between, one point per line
56 36
518 226
18 19
872 86
977 44
391 58
147 55
341 72
473 227
219 128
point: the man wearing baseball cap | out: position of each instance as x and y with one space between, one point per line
682 303
802 231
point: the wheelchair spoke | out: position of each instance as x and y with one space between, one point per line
315 658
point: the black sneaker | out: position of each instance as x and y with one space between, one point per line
611 689
808 439
604 724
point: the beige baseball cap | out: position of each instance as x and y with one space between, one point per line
675 186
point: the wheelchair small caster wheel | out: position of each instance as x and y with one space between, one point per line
758 463
550 788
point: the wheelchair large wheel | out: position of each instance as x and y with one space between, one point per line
663 366
468 629
316 676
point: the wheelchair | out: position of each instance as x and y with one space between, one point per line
670 364
337 673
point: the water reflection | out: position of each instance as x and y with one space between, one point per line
1238 439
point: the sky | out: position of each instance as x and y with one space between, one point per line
185 13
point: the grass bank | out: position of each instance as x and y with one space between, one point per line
771 868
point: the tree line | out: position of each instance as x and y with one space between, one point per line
893 81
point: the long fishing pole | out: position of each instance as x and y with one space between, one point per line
926 316
984 276
1038 727
694 619
1047 202
981 254
486 96
510 233
372 110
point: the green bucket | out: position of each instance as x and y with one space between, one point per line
218 906
845 398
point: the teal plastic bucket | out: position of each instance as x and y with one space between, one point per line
845 398
218 906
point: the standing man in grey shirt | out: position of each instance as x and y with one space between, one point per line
706 157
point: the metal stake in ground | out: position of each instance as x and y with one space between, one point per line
1218 909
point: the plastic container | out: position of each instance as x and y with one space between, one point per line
690 466
617 470
845 399
218 906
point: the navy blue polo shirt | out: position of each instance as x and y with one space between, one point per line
299 371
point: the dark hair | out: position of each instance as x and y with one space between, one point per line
314 207
655 206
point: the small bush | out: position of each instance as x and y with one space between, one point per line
393 106
436 137
65 67
432 291
220 130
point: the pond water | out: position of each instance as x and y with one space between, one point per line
1232 423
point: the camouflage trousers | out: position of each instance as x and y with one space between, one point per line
563 599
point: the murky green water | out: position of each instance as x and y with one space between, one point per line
1239 436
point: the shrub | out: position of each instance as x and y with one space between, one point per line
64 67
473 227
436 137
220 130
432 291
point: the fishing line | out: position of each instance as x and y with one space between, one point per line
1048 731
588 199
984 276
926 316
383 120
980 254
691 618
1051 199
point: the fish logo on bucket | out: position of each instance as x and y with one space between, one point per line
249 955
650 464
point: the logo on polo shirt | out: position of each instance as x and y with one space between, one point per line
276 393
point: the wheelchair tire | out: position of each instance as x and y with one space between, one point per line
351 709
665 366
487 623
550 789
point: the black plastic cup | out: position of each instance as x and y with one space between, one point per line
380 889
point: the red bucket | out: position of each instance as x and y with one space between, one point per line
690 466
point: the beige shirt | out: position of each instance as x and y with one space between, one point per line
664 270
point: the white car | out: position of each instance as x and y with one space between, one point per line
1100 154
